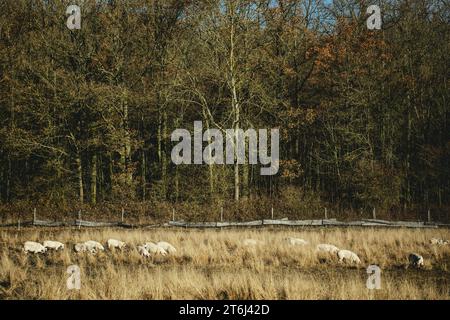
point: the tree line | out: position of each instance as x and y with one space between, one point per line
87 115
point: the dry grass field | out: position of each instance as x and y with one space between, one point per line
214 264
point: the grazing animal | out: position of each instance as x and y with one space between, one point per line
34 247
415 260
167 247
54 245
251 242
80 247
327 248
93 246
348 256
116 244
440 242
296 242
154 248
143 251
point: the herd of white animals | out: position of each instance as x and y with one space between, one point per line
161 248
164 248
347 256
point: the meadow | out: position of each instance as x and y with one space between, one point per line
214 264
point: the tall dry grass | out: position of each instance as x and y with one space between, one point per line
213 264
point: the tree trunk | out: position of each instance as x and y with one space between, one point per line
234 102
162 119
245 178
80 178
177 185
126 157
94 179
211 165
8 180
143 173
164 158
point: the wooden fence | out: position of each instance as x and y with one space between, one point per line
308 223
224 224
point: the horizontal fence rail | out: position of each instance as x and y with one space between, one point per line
228 224
307 223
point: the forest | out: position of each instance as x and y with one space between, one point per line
87 115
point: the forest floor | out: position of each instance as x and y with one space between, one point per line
214 264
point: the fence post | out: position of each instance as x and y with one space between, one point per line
34 216
79 219
429 215
173 214
272 213
123 212
18 225
374 214
326 214
221 214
